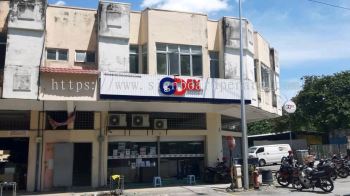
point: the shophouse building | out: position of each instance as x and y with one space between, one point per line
87 93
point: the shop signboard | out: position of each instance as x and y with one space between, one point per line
68 87
173 88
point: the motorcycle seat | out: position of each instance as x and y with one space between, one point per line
319 174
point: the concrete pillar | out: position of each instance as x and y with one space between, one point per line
214 139
32 149
95 163
104 162
31 163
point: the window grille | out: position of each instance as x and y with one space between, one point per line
14 120
175 121
84 120
58 116
229 123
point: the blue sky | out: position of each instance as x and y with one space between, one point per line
312 39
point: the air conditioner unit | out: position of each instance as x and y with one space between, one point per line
160 124
140 120
117 120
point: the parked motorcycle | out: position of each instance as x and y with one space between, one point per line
286 173
342 168
311 178
219 173
328 166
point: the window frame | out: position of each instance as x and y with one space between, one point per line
144 58
264 86
57 54
217 75
131 52
179 51
259 150
86 56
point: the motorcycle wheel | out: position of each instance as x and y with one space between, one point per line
334 175
282 181
343 172
297 185
326 185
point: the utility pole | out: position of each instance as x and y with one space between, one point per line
243 117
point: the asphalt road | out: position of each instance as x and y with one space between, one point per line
341 187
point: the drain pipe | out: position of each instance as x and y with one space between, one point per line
100 142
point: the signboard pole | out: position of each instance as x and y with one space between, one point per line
290 108
243 117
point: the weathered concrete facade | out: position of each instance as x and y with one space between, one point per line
266 58
25 38
57 57
113 36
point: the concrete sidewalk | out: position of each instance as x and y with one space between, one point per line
341 187
217 189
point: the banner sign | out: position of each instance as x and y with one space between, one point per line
172 88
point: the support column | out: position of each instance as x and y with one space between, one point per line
104 155
31 162
213 139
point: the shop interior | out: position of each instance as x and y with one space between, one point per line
139 162
14 161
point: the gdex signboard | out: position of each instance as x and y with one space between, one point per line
289 107
172 88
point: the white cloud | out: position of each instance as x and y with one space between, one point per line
60 3
204 6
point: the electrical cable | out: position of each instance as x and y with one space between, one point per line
328 4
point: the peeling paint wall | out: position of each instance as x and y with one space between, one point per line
264 58
231 50
24 49
29 14
113 36
232 45
72 29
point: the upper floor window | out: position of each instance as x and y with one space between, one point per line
57 54
84 57
2 51
14 120
84 120
214 64
179 60
229 123
265 77
144 59
134 59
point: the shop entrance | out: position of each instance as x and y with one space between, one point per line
82 164
14 160
71 165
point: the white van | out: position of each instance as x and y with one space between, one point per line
269 154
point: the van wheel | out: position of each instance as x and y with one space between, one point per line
262 162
